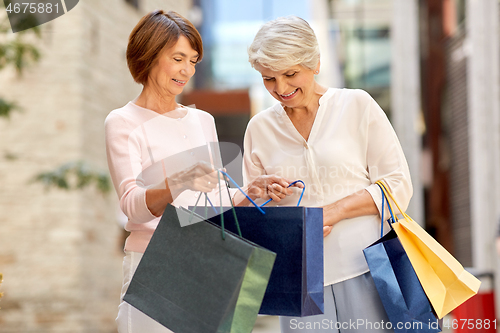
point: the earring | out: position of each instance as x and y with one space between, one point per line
317 72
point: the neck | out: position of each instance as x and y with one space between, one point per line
152 99
311 105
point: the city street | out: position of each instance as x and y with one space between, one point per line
267 324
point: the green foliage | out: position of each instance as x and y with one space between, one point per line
7 107
14 51
18 53
74 175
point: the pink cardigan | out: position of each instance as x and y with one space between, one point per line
142 147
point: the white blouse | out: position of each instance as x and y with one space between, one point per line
351 145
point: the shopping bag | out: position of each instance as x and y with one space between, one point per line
191 280
397 284
295 234
445 281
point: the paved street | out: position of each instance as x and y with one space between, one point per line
267 324
270 324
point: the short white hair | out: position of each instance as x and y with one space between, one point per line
283 43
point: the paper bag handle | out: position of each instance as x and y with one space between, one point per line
219 172
226 177
391 220
388 195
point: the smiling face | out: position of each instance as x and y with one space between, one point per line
293 87
173 69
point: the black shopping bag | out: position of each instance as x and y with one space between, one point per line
295 234
402 295
191 280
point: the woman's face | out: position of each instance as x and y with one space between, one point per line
293 87
174 67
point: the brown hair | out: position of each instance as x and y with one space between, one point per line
154 32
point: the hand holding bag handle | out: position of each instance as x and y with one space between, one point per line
192 213
265 203
227 178
291 184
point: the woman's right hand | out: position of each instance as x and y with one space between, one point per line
198 177
270 186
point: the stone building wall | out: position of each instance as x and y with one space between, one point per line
60 251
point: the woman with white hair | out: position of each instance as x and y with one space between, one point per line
339 142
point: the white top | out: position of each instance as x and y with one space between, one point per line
351 145
143 147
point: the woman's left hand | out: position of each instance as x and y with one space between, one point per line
331 215
354 205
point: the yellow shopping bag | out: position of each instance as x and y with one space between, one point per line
445 281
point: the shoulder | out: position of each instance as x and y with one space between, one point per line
204 115
357 102
343 98
117 116
355 96
267 117
125 114
125 120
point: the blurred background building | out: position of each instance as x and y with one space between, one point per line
432 65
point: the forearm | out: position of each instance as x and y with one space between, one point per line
240 200
354 205
158 197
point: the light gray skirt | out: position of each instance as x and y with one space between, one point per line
350 306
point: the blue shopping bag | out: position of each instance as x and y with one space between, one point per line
402 295
295 234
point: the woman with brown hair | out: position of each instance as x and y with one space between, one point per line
153 144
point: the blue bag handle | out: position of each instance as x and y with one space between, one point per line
239 188
391 219
293 183
223 233
253 202
226 177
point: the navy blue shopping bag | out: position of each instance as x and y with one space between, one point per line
295 234
402 295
